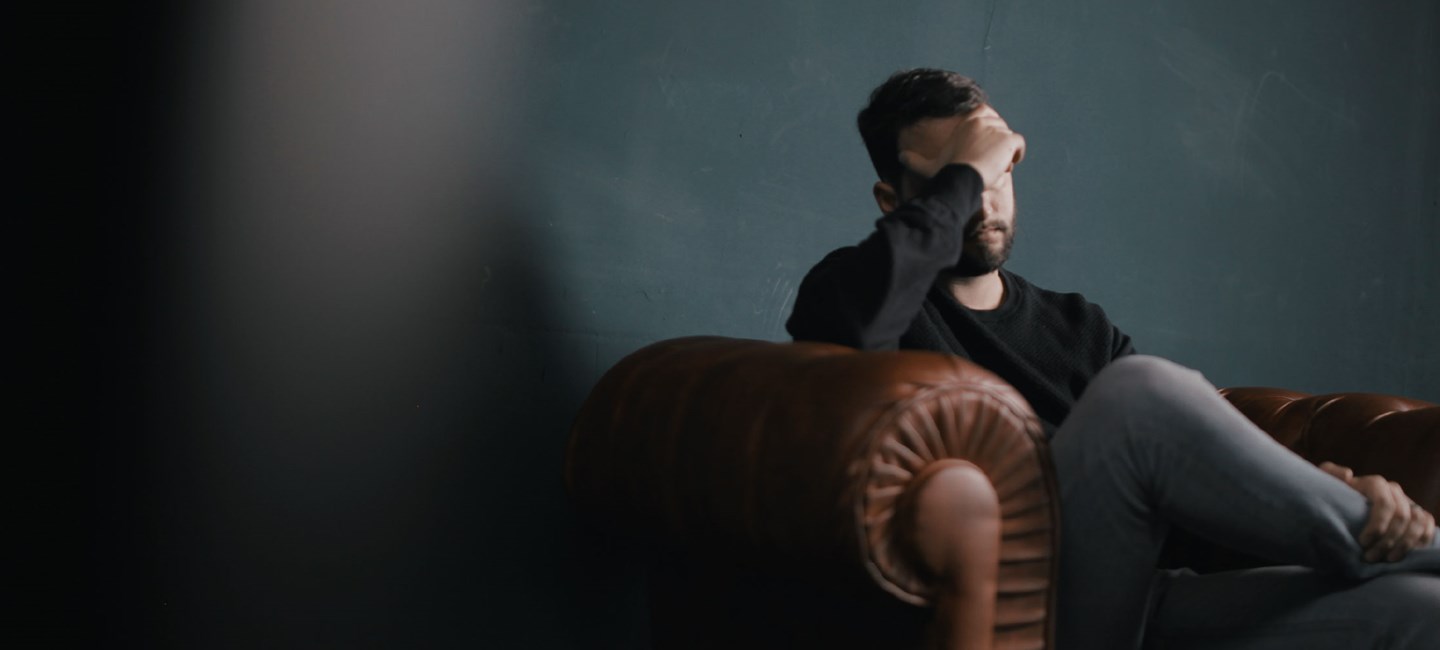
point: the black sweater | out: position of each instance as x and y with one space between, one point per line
885 293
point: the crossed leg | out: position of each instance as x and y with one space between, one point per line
1152 444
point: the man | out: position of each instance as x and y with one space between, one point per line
1139 443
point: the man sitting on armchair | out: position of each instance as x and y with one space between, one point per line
1140 444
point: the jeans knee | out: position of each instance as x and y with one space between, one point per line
1136 394
1144 369
1140 379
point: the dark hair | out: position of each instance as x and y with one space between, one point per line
905 98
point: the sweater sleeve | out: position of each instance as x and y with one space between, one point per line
1120 344
1123 346
866 296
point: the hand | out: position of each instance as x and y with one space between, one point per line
1396 525
980 139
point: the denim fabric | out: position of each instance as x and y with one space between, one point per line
1152 444
1295 607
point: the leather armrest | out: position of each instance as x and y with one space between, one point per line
802 452
1395 437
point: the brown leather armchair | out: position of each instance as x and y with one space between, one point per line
809 495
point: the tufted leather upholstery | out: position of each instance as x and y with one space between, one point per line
775 486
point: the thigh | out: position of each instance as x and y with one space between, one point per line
1295 607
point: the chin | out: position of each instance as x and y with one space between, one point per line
978 260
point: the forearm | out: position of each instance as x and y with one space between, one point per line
866 296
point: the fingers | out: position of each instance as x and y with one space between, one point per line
1338 471
1382 514
982 118
980 139
1405 512
985 142
918 164
1419 532
1396 526
1019 154
1400 525
982 125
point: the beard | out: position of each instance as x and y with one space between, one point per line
978 256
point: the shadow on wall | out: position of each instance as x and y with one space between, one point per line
533 575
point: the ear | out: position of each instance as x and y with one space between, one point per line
886 197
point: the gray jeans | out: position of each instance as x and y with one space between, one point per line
1152 444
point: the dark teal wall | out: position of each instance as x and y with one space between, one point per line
330 279
1249 188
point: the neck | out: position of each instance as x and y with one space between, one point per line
980 292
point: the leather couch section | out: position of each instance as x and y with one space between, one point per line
773 487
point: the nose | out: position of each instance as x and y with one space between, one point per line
989 204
